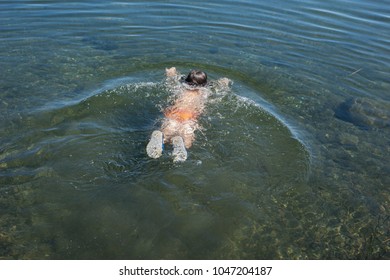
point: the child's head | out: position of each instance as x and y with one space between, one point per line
196 78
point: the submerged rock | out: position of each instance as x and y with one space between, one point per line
364 113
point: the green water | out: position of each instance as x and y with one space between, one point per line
290 163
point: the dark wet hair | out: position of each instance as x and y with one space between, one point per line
196 78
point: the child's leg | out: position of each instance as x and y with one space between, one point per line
187 132
179 151
155 146
172 134
169 128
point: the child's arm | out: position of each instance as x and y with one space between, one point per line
173 78
222 84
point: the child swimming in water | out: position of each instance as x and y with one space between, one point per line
180 122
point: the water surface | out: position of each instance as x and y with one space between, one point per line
290 163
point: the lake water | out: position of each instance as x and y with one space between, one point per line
291 163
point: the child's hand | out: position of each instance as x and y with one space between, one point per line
225 82
170 72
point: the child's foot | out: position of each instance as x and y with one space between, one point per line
179 150
155 145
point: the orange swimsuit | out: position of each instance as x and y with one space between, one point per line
180 115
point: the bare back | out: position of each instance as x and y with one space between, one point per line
188 106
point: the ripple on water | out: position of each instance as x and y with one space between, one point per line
97 172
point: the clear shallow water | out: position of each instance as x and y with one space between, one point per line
292 163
